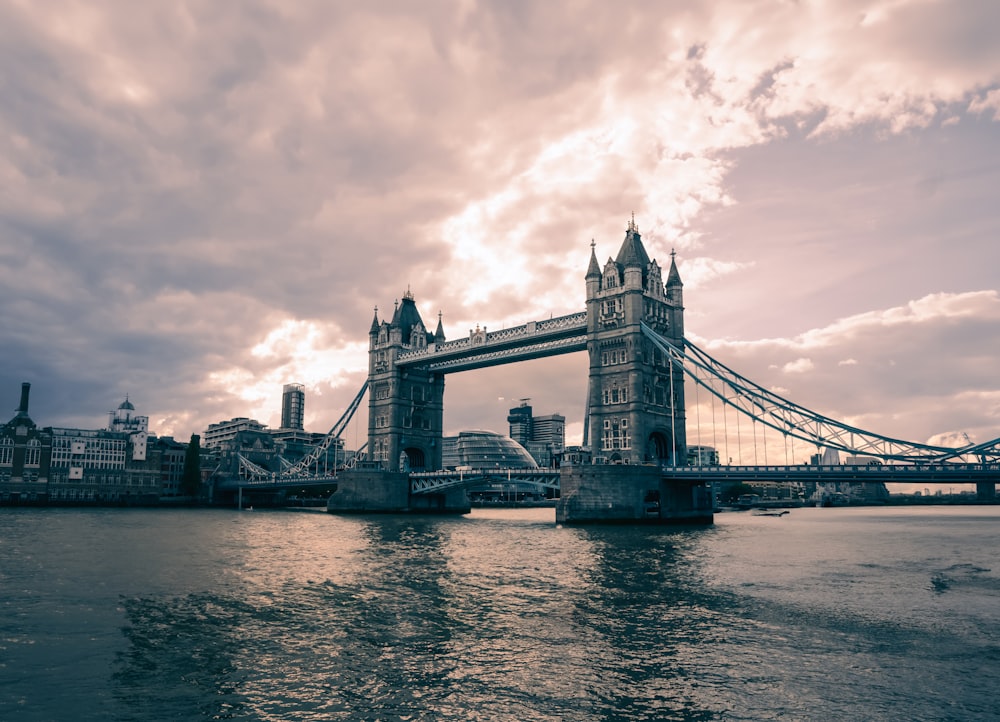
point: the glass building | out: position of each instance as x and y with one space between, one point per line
484 450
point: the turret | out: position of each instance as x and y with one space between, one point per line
632 258
593 272
439 334
675 289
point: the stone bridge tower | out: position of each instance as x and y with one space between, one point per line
405 405
636 396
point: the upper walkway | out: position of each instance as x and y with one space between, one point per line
535 339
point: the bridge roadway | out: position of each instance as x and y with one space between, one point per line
433 481
885 473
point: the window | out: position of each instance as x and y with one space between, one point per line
611 306
614 356
33 453
616 435
616 395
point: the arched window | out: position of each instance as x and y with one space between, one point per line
33 453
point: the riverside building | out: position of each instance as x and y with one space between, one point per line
68 465
25 452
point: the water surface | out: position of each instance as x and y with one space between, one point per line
871 613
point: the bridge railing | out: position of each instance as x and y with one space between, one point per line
902 468
274 482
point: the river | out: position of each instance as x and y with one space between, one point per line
822 614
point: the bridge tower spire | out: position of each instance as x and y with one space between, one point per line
636 396
405 406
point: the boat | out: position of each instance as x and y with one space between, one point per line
747 501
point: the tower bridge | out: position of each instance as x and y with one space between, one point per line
636 423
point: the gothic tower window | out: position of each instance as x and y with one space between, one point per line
616 435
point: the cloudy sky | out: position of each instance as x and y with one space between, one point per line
201 201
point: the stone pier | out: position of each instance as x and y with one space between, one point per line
629 494
363 491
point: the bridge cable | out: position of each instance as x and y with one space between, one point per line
697 406
725 431
673 422
781 414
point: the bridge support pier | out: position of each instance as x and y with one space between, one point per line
451 501
629 493
986 490
364 491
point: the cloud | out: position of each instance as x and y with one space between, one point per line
204 202
798 366
989 102
913 372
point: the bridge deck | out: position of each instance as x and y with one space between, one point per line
886 473
430 482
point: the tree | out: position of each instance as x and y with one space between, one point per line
191 476
735 491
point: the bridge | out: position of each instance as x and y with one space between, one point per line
636 430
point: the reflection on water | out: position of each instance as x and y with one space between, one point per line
498 615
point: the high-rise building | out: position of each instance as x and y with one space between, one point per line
293 402
549 430
543 436
519 420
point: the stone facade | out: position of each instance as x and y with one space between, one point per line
629 493
405 405
636 396
362 491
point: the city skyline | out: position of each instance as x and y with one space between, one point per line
202 206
